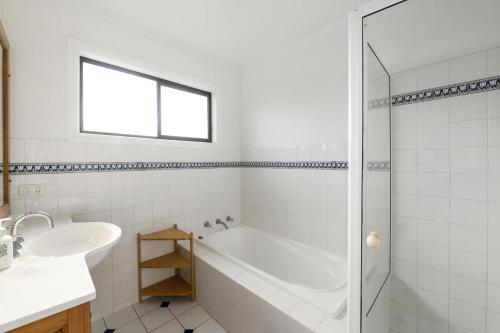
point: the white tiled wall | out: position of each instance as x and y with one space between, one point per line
446 163
306 205
136 201
298 112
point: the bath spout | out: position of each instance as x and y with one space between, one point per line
218 221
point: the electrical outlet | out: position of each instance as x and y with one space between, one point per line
28 191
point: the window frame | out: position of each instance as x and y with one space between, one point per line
159 83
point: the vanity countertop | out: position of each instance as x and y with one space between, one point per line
35 287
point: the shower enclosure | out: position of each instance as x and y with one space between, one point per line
425 167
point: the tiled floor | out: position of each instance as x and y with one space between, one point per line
159 315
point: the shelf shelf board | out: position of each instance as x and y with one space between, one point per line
167 234
170 260
173 286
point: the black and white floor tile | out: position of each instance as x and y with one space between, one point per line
159 315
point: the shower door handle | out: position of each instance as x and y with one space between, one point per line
373 240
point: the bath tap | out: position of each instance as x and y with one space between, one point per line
229 219
207 224
218 221
18 239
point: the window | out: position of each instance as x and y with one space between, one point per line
119 101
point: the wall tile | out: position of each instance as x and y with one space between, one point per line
40 151
404 138
433 208
494 298
70 152
432 303
434 136
404 115
437 257
432 232
467 316
468 238
468 133
469 264
434 160
405 160
493 322
469 186
433 112
493 104
469 107
469 212
494 132
406 227
494 271
71 184
467 290
434 184
494 187
493 243
474 160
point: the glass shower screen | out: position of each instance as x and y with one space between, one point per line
376 216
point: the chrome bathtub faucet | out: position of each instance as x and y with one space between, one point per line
18 239
229 219
219 221
207 224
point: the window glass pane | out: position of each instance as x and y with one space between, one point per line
118 102
183 113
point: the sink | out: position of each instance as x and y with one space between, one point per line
94 240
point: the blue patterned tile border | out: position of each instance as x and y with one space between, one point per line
379 165
452 90
84 167
323 165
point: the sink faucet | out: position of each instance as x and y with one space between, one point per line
18 239
218 221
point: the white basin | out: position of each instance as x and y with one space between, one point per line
94 240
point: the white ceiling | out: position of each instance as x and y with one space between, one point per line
232 31
421 32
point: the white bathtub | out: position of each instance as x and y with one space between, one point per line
315 276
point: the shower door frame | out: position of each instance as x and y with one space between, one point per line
355 177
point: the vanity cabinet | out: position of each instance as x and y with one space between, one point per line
74 320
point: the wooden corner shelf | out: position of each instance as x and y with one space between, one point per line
175 285
170 260
167 234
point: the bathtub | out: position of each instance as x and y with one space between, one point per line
315 276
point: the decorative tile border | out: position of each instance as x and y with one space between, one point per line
452 90
85 167
379 103
379 166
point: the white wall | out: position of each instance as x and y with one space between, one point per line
137 201
446 272
294 107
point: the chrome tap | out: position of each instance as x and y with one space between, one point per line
207 224
18 239
218 221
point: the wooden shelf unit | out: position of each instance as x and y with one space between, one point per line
175 285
